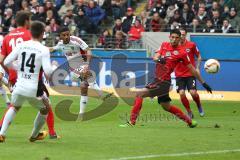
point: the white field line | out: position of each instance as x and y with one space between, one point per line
177 154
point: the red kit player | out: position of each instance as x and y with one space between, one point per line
184 78
167 58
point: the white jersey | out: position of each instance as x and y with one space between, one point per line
72 49
32 57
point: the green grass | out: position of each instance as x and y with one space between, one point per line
101 138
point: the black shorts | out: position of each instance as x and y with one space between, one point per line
160 89
41 89
186 82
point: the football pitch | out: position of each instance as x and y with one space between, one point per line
157 134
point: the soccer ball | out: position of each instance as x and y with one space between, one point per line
212 66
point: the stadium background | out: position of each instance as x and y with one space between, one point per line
107 46
225 83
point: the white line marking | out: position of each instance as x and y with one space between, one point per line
177 154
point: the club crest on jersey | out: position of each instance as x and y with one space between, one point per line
175 52
168 54
187 50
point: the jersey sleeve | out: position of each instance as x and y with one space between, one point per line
46 63
11 57
83 45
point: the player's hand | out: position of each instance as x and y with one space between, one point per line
207 87
51 49
161 60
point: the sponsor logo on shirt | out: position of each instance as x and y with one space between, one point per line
168 54
175 52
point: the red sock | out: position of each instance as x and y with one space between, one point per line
50 122
136 109
177 112
197 100
185 102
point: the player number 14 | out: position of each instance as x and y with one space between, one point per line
30 62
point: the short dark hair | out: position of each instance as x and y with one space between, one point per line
175 31
22 17
63 29
37 29
183 29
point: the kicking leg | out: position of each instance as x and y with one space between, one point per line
139 94
136 110
164 101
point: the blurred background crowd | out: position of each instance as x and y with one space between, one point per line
119 23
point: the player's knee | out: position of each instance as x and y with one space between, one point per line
84 91
142 94
165 105
193 92
182 93
44 110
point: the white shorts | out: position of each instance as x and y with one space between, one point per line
18 100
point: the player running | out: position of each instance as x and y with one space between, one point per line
32 57
10 41
78 55
184 77
167 58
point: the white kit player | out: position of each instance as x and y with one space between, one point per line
78 55
32 59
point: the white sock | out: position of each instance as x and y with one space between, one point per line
11 113
38 124
83 104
